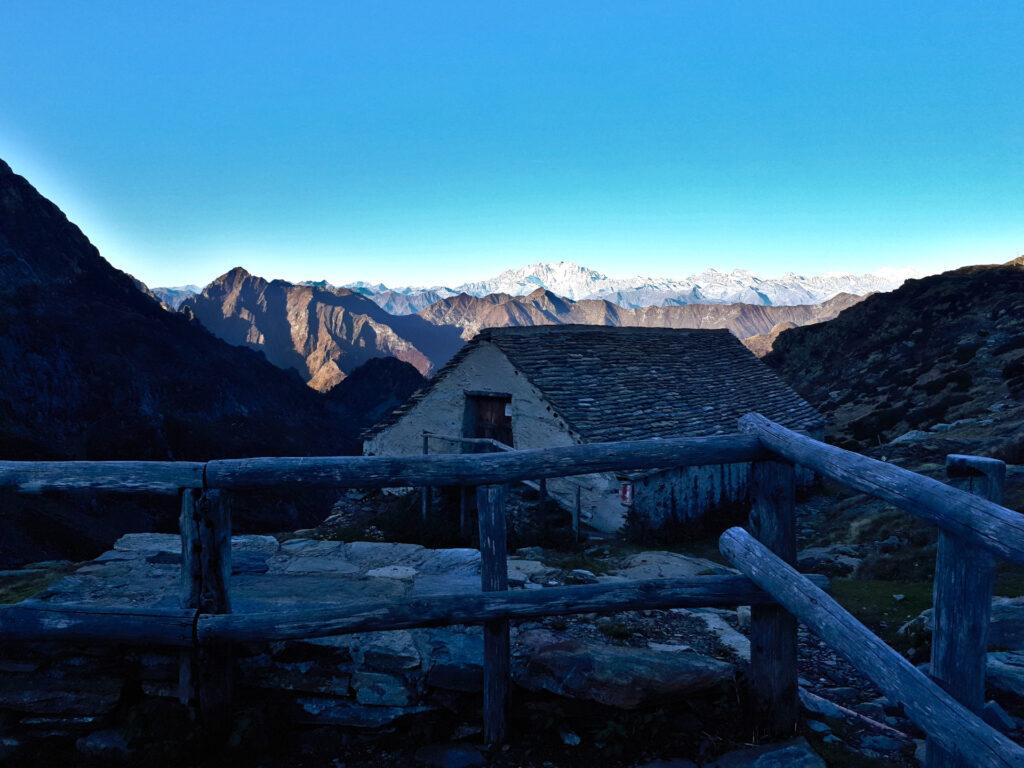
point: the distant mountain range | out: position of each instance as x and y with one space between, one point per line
173 297
324 333
542 307
573 281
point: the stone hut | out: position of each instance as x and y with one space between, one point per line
546 386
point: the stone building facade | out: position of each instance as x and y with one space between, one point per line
547 386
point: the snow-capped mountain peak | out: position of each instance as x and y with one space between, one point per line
575 281
565 278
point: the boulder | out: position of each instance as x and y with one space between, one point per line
618 677
836 560
522 571
582 576
1004 673
715 621
387 651
381 689
1005 632
109 746
667 565
315 710
449 756
455 657
790 754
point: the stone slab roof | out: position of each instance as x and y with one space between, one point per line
612 383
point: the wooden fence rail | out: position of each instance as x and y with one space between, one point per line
33 620
380 471
943 718
996 529
974 528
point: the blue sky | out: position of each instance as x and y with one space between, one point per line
436 142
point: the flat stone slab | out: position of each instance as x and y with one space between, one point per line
614 676
796 753
142 570
667 565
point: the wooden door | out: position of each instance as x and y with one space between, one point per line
489 416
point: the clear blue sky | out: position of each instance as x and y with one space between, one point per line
434 142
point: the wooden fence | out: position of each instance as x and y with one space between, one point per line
489 444
974 529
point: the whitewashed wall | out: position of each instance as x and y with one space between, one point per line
534 425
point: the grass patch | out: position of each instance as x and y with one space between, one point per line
569 561
872 602
14 589
1009 581
614 630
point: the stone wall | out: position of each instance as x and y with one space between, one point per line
112 701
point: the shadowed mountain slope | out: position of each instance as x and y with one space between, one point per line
542 307
321 332
91 367
937 350
375 389
95 368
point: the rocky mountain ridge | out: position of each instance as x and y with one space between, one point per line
321 332
543 307
324 333
939 353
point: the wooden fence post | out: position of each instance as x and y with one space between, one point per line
494 578
964 576
425 491
773 630
465 499
205 673
576 512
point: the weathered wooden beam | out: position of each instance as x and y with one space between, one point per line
466 494
973 519
577 512
425 492
190 582
953 726
34 620
444 610
773 630
165 477
31 621
964 577
479 469
206 671
494 578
